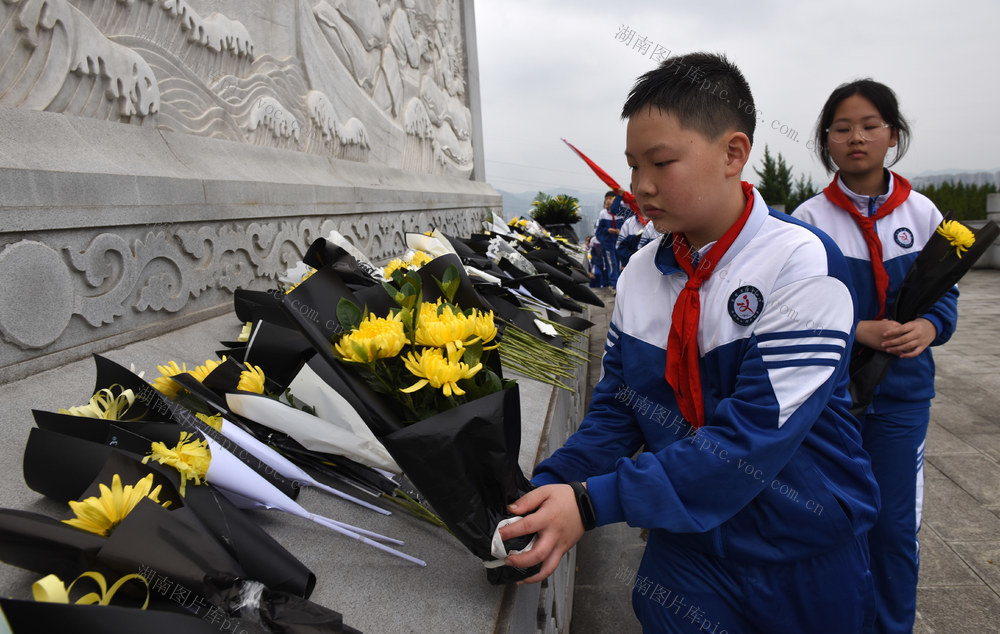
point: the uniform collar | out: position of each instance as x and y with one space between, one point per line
666 263
863 203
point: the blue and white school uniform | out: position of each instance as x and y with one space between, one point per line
758 519
895 425
605 222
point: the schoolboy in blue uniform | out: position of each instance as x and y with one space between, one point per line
727 357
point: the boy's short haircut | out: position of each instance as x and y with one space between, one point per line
610 194
705 91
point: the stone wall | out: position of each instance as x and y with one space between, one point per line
157 154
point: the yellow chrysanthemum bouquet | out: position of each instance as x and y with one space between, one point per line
414 358
427 356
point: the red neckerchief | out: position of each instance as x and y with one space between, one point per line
682 372
900 191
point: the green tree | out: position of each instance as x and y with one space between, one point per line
804 190
775 184
966 202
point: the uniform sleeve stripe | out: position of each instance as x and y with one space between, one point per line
804 334
792 363
798 349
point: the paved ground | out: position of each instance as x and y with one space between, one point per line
959 589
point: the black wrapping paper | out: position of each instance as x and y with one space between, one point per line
30 617
464 461
82 461
170 544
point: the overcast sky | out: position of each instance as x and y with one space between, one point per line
556 68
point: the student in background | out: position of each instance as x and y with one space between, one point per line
881 225
628 238
607 234
594 262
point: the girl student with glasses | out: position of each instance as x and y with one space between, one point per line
881 224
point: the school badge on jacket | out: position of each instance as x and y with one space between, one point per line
745 305
903 237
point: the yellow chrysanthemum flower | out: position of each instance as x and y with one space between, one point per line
100 515
393 266
202 371
374 338
433 368
190 457
163 382
215 422
958 235
419 259
252 380
484 327
413 262
439 325
105 405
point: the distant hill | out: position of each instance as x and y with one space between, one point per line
967 177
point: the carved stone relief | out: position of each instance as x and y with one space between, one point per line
101 277
379 82
371 81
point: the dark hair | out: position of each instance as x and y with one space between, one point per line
705 91
610 193
884 101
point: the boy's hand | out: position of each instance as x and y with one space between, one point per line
910 339
557 522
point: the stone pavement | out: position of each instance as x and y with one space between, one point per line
959 588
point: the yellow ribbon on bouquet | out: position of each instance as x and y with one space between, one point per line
51 589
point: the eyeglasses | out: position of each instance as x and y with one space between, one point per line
870 131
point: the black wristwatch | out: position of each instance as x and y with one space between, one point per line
586 506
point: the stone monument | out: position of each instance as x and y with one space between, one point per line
155 155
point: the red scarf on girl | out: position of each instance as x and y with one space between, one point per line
683 373
900 191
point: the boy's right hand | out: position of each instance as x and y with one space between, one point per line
556 520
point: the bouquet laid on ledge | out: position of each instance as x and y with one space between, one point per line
413 360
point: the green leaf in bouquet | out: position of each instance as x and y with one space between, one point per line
348 314
473 353
492 382
449 283
360 351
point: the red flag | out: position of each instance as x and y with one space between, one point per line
610 182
